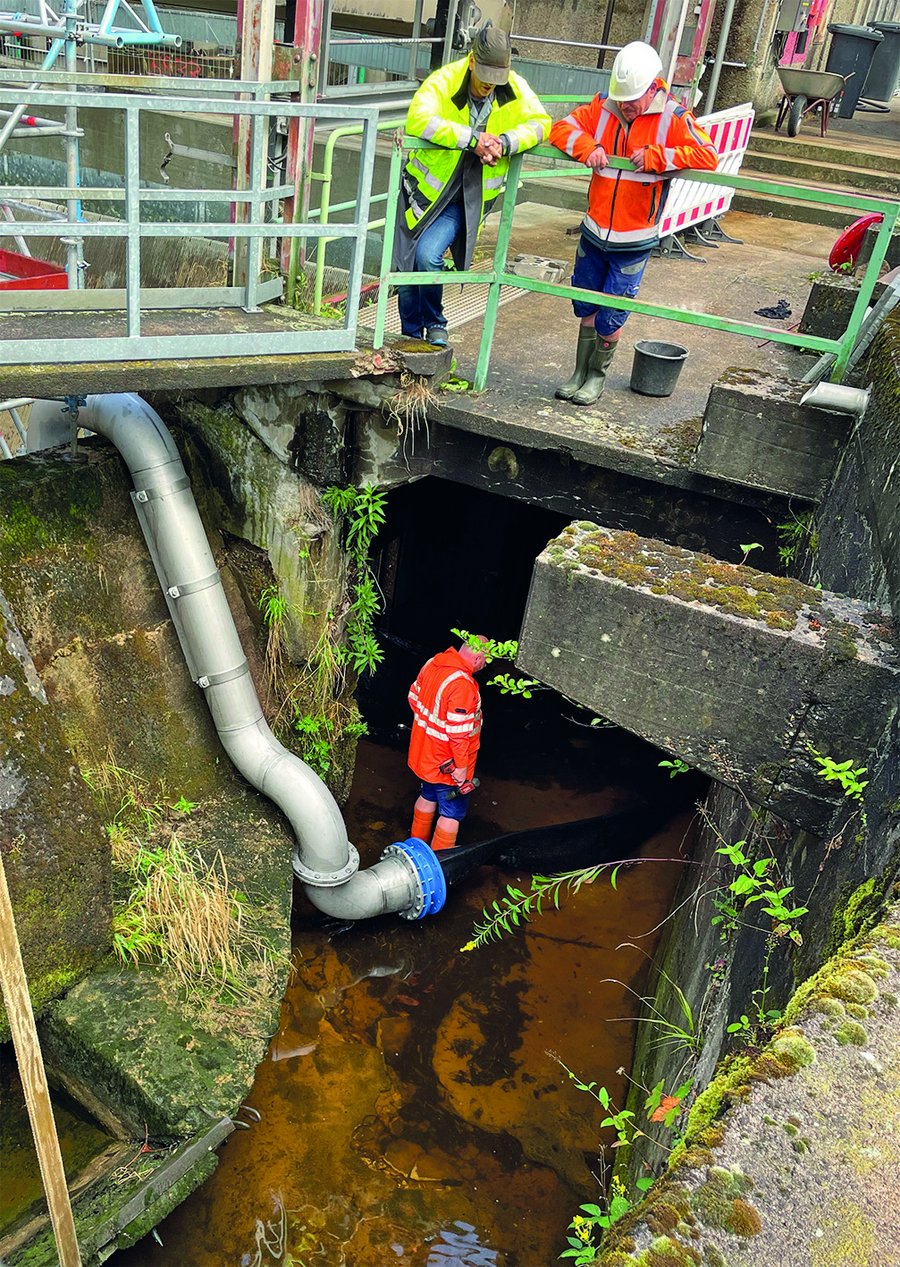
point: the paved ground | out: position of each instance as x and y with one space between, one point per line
535 334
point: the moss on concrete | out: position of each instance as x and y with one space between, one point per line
45 510
721 1202
776 601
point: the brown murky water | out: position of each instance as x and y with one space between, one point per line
410 1110
81 1141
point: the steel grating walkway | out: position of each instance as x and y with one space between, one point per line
462 304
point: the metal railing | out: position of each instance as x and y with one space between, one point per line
325 210
254 212
498 275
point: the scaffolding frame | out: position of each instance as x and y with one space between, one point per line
65 30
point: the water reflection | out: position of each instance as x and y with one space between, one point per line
460 1247
409 1110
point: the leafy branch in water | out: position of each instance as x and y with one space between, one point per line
518 908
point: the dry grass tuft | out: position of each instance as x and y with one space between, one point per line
407 410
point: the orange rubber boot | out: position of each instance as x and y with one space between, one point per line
421 824
445 834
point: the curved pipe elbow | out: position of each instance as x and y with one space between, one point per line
387 888
405 881
297 791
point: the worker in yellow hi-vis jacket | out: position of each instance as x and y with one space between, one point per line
479 112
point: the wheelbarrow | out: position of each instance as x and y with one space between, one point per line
806 91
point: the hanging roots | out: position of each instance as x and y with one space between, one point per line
407 410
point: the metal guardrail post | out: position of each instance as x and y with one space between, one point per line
363 190
258 142
866 289
325 207
133 220
501 250
387 250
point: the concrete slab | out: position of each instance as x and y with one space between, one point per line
41 379
535 336
739 673
757 432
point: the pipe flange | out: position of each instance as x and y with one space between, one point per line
327 879
422 862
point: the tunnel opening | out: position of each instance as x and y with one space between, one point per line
453 557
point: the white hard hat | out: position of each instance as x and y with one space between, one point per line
634 70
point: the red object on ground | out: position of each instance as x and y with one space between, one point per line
846 248
24 272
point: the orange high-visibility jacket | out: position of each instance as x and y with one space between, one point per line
446 707
624 207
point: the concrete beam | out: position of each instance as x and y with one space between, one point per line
735 671
42 379
756 432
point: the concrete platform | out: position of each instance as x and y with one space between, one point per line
535 336
41 379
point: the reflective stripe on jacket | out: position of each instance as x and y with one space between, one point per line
446 707
439 112
625 207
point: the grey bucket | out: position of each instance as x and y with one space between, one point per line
656 366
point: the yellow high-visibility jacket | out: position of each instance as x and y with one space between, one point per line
439 112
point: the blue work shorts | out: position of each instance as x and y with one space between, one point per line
455 807
614 273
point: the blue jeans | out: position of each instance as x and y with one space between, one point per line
422 306
613 273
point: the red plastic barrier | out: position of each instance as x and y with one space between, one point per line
846 248
23 272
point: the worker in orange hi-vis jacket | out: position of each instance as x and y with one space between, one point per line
640 120
443 746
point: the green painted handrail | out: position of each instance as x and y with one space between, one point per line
325 209
499 276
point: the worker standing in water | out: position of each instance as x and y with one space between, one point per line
640 120
446 733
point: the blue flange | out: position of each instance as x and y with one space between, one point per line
429 872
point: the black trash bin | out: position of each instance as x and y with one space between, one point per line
851 52
881 81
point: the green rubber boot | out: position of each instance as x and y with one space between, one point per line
592 388
587 344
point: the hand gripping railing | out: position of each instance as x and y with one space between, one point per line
498 275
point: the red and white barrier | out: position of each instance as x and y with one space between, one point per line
691 202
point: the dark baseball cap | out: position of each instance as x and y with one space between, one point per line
492 52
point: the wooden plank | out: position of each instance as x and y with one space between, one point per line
34 1081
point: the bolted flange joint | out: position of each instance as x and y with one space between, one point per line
327 879
423 864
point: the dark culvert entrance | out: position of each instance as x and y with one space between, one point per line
413 1107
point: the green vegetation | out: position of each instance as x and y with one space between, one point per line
843 772
494 650
173 906
595 1219
317 707
675 767
793 533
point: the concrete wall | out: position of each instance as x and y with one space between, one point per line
569 20
848 878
